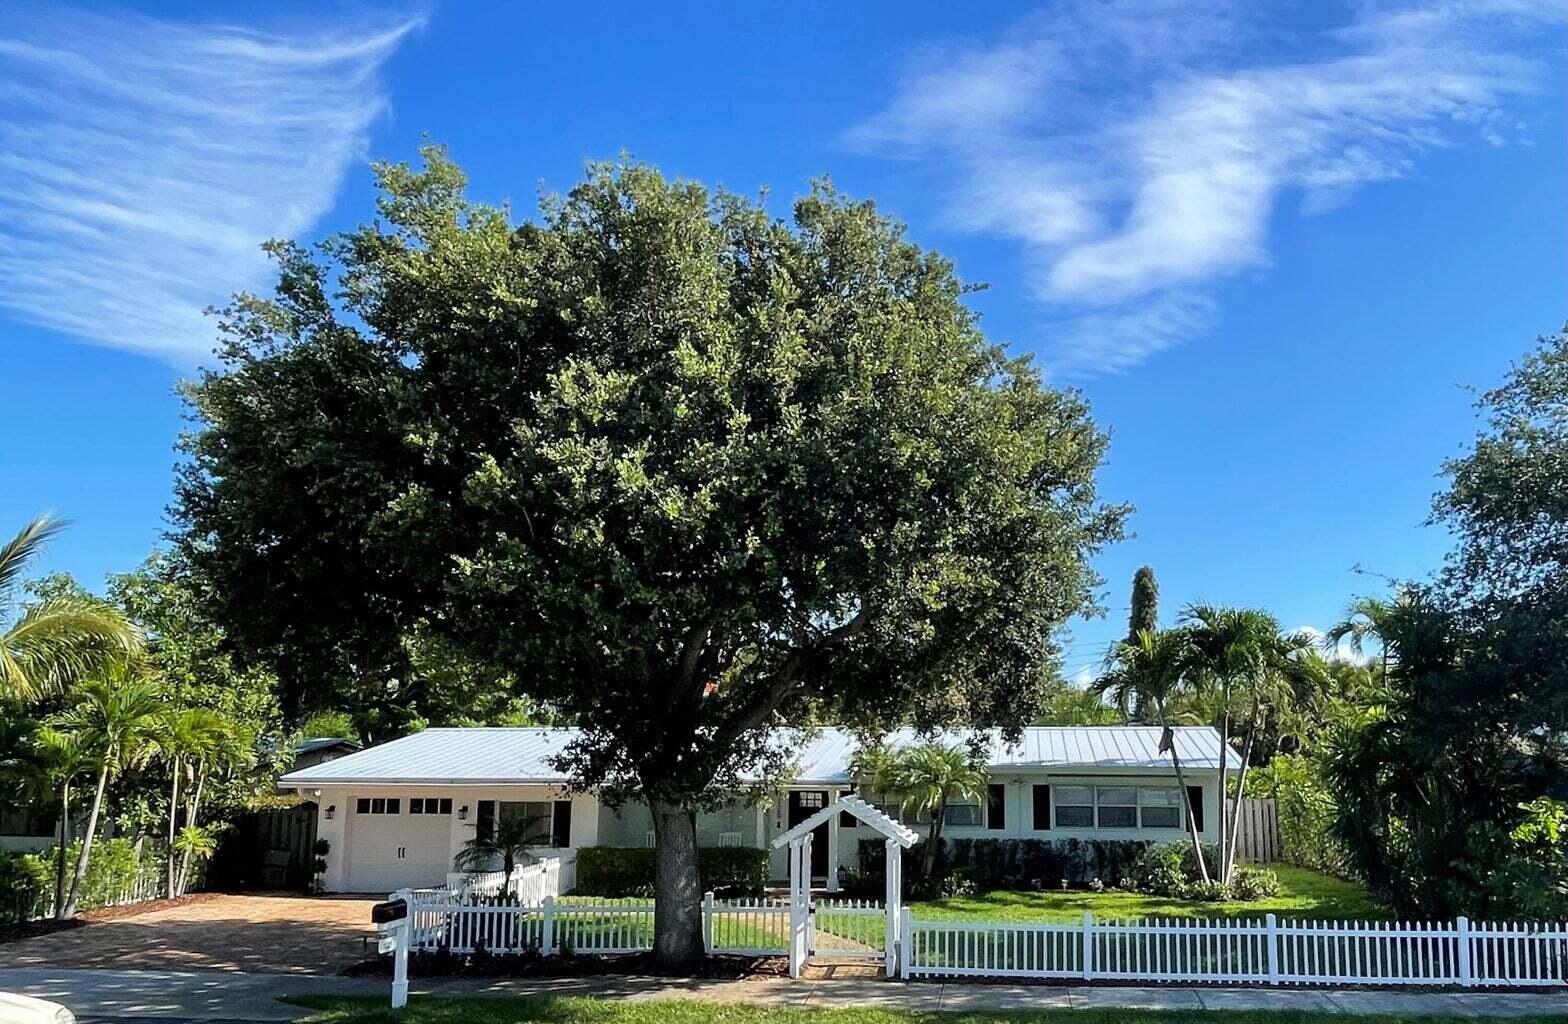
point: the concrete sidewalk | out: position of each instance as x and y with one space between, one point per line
233 996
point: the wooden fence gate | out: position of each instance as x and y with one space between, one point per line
1257 831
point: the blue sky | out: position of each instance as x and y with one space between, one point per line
1272 248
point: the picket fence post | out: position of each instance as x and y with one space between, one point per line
547 926
906 941
1273 939
707 921
1088 945
1466 978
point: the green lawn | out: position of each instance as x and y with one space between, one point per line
1304 894
449 1010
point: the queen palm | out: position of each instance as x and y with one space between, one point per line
1149 671
115 718
57 639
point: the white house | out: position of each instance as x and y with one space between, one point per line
397 814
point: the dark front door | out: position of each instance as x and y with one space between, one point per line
803 803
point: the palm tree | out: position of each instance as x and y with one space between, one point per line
57 639
59 759
227 747
1401 622
509 841
116 719
1246 667
194 843
925 779
1150 671
187 738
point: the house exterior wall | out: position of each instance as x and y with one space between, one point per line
594 824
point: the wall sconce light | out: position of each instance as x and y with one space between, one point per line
316 793
331 810
462 813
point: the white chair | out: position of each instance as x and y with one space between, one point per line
649 839
729 839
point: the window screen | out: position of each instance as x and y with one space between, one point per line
1074 806
1159 808
1118 806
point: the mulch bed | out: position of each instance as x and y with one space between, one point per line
33 929
532 965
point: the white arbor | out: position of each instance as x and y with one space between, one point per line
898 838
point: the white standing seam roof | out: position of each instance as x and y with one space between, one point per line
517 756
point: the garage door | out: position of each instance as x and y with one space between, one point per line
393 842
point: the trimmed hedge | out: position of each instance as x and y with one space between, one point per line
1018 864
629 871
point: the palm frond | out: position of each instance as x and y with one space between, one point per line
59 640
22 548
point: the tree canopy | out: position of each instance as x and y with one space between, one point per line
677 469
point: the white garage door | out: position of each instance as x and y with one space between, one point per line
390 846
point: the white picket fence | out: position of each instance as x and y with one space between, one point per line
1264 952
743 927
529 883
144 888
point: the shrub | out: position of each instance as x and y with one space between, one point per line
27 880
629 871
26 885
1249 884
1017 864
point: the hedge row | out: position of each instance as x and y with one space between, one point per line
1016 863
629 871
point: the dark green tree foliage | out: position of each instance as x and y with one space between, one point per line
1477 713
1144 612
681 471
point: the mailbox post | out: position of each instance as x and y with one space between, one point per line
392 920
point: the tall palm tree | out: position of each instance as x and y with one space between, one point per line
227 747
1247 667
186 738
57 639
116 718
59 760
1150 671
925 779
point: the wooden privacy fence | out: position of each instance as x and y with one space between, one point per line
1264 952
1257 830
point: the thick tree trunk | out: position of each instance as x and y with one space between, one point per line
677 913
69 910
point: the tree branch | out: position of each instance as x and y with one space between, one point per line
784 679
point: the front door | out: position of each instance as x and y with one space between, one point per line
803 803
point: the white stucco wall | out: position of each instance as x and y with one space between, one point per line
594 825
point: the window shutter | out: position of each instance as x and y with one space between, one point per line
996 806
1195 805
561 825
1042 808
486 819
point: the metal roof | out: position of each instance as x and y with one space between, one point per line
471 756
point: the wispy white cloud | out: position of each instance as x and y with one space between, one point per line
142 162
1341 651
1138 149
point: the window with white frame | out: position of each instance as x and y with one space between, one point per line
1074 806
962 812
1159 807
1117 806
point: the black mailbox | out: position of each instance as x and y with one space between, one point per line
391 910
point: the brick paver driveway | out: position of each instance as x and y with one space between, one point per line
288 934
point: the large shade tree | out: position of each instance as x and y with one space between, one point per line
683 471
